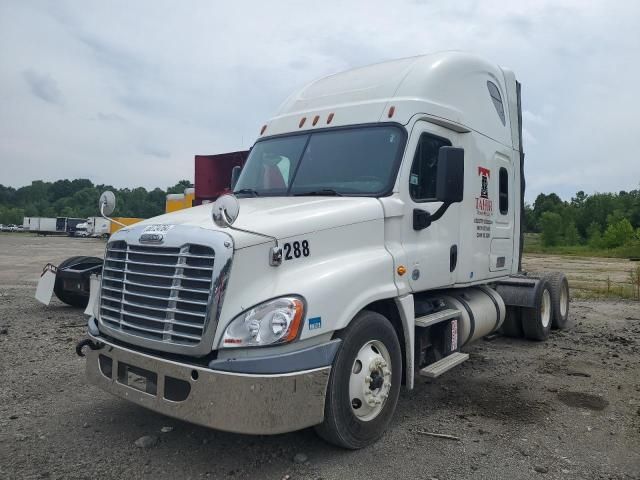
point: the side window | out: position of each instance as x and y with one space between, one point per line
503 191
422 180
496 98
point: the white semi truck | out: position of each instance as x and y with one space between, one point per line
98 226
373 233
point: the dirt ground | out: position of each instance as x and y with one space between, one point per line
568 408
590 277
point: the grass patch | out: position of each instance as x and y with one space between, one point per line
532 244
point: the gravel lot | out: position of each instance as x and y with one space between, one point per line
568 408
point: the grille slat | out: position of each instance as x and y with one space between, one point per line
157 297
172 287
158 293
157 309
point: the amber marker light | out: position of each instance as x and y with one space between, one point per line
302 120
329 118
392 110
262 130
297 321
402 270
315 120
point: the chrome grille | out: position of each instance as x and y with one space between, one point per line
159 293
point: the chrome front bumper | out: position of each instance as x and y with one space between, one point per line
234 402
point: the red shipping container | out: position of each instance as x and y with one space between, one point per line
213 174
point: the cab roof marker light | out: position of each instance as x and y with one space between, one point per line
263 129
302 120
392 110
315 120
329 118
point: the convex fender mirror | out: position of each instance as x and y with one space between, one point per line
107 203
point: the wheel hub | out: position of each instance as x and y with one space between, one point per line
370 380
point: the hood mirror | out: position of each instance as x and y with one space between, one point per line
107 203
235 174
225 210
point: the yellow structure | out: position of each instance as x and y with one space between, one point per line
114 227
189 197
179 201
175 201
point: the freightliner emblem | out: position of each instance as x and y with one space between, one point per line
151 238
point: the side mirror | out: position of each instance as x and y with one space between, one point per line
225 210
235 174
450 177
449 186
107 203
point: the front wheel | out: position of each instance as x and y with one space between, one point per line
364 384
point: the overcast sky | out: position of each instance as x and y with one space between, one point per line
126 93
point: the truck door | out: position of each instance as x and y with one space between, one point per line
501 253
432 251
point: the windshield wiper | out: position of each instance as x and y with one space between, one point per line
249 191
328 192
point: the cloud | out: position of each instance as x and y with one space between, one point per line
154 151
42 86
147 85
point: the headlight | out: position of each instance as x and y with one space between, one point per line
270 323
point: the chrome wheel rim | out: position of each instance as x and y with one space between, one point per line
545 308
370 380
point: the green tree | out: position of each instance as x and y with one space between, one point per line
570 234
594 236
551 227
617 234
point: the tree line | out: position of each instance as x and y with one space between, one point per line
79 198
600 220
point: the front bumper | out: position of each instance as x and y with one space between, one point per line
234 402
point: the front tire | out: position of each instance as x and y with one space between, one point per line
364 384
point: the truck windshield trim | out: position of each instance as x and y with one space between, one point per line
355 160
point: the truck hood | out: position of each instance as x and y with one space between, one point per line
280 217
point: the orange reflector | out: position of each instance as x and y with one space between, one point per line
392 110
402 270
302 120
264 127
315 120
329 118
294 328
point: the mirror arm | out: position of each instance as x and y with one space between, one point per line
110 219
423 219
275 254
437 215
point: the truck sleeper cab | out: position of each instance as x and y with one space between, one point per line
374 232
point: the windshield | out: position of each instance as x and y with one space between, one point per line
353 161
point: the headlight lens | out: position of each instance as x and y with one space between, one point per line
273 322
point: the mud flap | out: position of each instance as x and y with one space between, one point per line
94 290
44 292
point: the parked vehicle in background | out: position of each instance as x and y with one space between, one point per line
81 230
70 224
12 228
98 227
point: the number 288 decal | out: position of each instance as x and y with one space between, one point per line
296 249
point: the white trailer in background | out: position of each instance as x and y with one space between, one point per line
40 225
98 227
